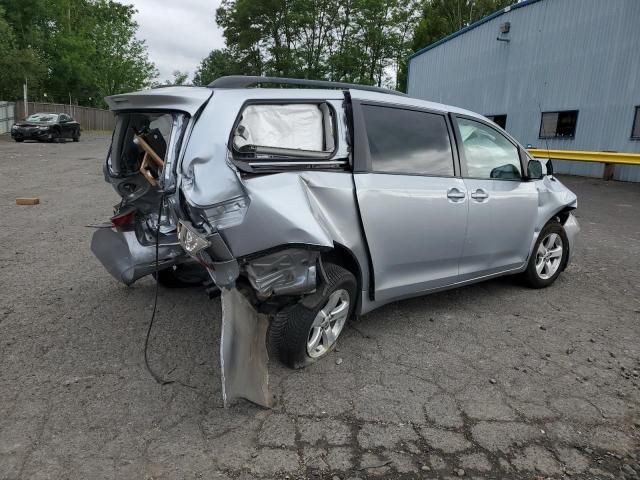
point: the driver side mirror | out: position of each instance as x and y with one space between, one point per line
534 169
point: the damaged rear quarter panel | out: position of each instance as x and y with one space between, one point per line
300 208
313 208
206 173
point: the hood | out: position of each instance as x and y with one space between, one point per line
33 124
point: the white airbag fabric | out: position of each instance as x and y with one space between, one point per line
294 126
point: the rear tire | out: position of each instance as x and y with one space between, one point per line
19 140
549 256
185 275
307 331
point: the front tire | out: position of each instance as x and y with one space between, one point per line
19 140
54 137
76 136
307 331
549 256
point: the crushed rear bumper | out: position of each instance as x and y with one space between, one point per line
126 259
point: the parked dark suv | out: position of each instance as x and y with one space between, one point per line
49 127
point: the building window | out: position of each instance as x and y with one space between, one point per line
408 141
500 120
559 124
635 131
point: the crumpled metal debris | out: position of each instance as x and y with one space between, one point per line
243 351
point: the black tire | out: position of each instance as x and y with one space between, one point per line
291 327
19 140
76 136
55 136
185 275
531 276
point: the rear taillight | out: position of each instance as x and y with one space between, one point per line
123 219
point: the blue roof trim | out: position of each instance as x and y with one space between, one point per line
472 26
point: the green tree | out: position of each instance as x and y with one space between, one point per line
121 59
351 40
179 78
444 17
440 18
217 64
17 65
87 48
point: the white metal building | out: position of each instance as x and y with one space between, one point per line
558 74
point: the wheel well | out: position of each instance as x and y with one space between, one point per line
341 255
563 215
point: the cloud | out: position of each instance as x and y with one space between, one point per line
178 34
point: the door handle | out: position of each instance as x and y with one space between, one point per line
479 194
455 194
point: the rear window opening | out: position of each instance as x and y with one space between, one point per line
285 131
126 156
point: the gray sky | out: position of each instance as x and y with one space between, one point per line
179 33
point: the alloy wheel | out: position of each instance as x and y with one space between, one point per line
549 256
328 323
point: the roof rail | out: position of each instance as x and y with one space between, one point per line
247 81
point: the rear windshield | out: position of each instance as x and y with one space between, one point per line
42 117
125 156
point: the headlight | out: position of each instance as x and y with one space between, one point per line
43 128
15 127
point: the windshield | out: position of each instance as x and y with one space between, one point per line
43 117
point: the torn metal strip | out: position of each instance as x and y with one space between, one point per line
243 351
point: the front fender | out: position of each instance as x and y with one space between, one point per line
553 198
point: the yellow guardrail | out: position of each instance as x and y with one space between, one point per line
600 157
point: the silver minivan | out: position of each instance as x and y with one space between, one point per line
319 201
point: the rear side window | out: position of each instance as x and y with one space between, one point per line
408 141
285 130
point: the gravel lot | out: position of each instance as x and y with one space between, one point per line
489 381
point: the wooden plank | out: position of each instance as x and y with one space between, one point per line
27 201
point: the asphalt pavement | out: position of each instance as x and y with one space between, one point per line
492 380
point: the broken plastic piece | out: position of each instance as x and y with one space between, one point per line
288 272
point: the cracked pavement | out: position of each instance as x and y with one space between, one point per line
489 381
